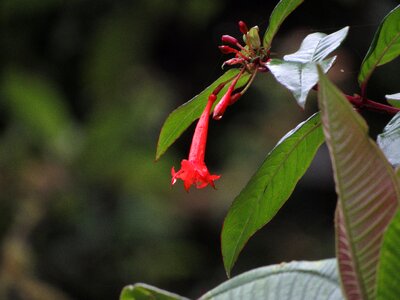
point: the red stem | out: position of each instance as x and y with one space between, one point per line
361 102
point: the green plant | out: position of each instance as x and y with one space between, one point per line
366 222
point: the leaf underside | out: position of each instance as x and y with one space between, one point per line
317 46
286 281
298 71
297 77
389 140
367 190
142 291
270 187
281 11
394 99
384 47
182 117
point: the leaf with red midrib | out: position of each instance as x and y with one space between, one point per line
367 188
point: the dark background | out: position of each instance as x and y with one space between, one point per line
84 89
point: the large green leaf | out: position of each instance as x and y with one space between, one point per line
142 291
181 118
286 281
298 71
297 77
367 188
394 99
384 47
270 187
388 287
281 11
389 140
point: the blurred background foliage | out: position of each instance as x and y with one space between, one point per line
84 88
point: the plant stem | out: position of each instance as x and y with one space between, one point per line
360 102
363 102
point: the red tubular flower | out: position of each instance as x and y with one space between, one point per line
194 170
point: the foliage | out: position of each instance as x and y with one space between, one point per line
309 280
83 88
270 187
367 186
366 203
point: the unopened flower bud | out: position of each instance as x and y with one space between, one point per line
229 39
226 99
235 98
233 61
243 27
226 49
218 89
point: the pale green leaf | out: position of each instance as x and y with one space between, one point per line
182 117
298 71
388 287
142 291
285 281
389 140
270 187
281 11
297 77
367 188
394 99
317 46
384 47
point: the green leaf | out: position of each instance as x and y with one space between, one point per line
270 187
367 188
388 287
394 99
298 71
142 291
281 11
297 77
181 118
389 140
285 281
384 47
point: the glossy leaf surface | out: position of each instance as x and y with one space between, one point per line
394 99
270 187
388 287
281 11
182 117
367 188
298 71
297 77
384 47
142 291
389 140
286 281
317 46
